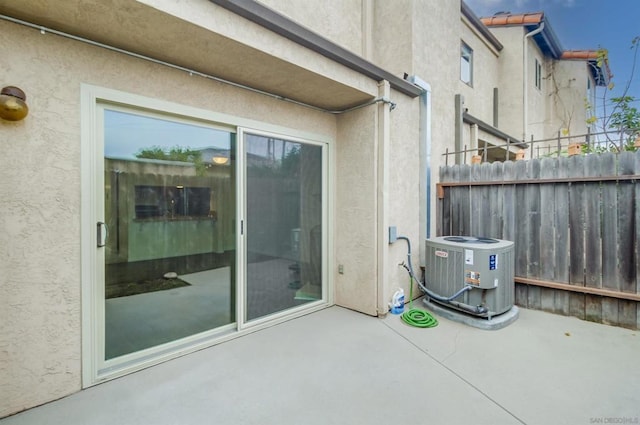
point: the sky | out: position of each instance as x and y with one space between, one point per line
588 25
126 134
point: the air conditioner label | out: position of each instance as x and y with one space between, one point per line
472 278
442 254
493 262
468 257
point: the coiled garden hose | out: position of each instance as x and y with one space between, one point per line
416 317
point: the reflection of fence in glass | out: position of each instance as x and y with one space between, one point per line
172 201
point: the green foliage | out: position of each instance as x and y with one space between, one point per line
176 153
288 166
625 117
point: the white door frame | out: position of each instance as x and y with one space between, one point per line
93 100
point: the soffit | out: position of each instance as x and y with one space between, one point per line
132 26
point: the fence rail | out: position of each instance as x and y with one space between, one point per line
599 142
575 222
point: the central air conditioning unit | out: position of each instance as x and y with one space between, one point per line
481 270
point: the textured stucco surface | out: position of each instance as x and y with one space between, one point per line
478 97
511 72
40 328
337 20
40 288
356 214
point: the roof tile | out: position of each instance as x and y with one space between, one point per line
508 19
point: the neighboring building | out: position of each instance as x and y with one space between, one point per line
327 122
526 86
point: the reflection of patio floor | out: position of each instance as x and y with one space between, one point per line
142 321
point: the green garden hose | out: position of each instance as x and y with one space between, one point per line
416 317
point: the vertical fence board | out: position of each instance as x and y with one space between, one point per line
464 226
496 193
561 220
593 243
508 203
476 202
593 224
576 236
548 170
610 276
442 204
457 199
533 231
626 260
521 220
520 240
636 222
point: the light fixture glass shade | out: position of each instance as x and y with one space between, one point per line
12 104
220 160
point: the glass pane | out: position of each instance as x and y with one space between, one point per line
284 225
170 212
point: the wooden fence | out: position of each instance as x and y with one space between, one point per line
575 222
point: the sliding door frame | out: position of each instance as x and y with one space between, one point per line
93 101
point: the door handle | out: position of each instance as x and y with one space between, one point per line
102 233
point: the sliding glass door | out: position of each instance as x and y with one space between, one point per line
284 224
168 235
194 229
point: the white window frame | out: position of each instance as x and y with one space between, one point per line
93 101
538 74
466 55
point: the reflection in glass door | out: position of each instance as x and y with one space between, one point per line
170 208
284 219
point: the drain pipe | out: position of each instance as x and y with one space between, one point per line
525 77
425 158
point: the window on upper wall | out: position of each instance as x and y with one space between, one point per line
466 64
538 74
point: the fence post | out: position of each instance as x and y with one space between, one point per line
506 154
484 154
588 137
464 161
531 145
559 145
446 157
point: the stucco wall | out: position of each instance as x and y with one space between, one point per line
511 71
40 187
340 21
356 200
567 95
436 59
478 97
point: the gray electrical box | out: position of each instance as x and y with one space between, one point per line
485 264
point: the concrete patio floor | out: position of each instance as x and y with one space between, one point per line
337 366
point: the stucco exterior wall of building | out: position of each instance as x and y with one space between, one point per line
340 21
436 59
478 97
356 196
566 97
40 323
536 97
511 73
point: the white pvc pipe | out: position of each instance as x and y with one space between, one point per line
425 158
525 76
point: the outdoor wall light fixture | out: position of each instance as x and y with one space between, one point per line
13 105
220 160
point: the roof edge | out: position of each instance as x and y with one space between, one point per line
482 28
529 21
598 64
280 24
